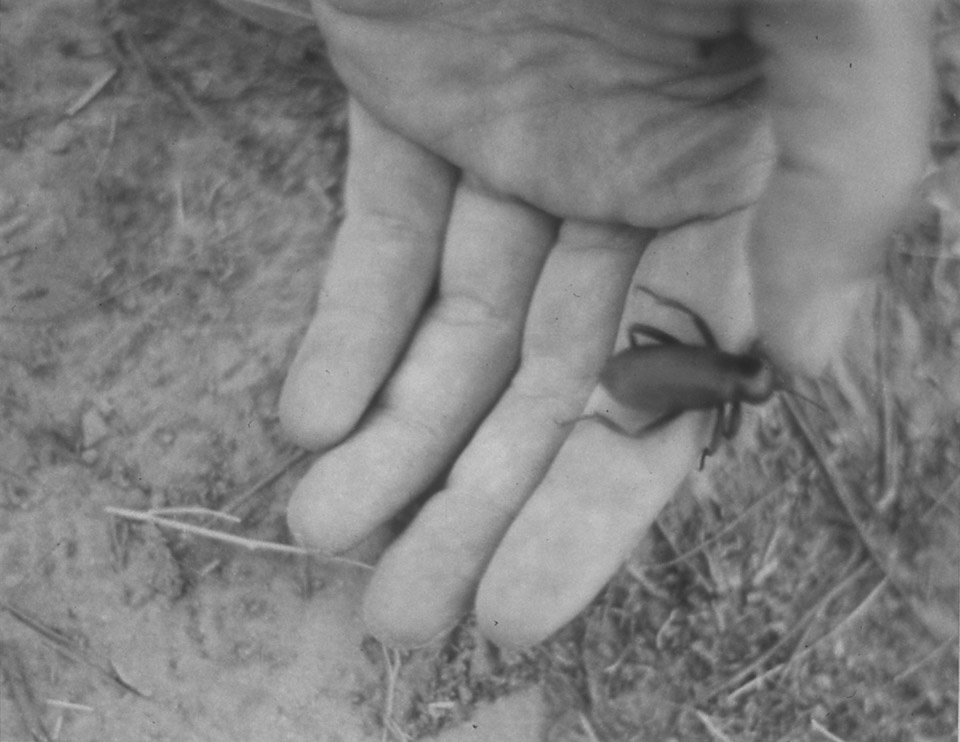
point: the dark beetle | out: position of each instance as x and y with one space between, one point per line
669 377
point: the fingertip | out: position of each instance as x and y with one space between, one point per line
388 617
315 517
406 605
426 581
302 519
316 409
506 617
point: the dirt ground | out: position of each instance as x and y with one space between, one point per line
170 184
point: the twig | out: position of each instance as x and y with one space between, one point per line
760 679
164 512
119 532
704 579
11 667
943 501
852 574
845 497
229 538
199 114
390 726
52 635
588 728
68 706
729 528
66 646
889 473
898 678
818 727
111 139
96 87
725 531
97 303
714 730
238 502
861 608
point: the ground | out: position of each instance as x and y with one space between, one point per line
171 184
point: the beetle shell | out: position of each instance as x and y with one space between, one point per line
671 377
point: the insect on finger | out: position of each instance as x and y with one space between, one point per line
669 377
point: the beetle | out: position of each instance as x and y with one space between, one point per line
668 377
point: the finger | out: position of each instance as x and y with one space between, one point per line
595 504
397 199
604 489
427 579
850 86
462 356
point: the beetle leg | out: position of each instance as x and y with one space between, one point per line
605 421
702 326
660 422
654 333
647 429
732 424
716 436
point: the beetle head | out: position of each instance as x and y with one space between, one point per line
756 378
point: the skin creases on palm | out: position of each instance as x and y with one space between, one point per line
623 112
592 111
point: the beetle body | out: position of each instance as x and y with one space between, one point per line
662 378
666 377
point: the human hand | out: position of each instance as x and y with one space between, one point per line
474 130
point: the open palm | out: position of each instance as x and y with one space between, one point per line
509 163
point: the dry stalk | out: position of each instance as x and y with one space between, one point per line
229 538
236 504
96 87
67 646
588 728
889 471
11 668
390 725
635 569
845 497
716 732
945 644
818 727
190 510
852 574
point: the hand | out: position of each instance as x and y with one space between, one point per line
495 149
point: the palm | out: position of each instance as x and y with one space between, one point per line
621 122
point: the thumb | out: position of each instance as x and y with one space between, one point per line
850 87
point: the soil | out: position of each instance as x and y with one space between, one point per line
171 185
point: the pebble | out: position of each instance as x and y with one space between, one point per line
93 427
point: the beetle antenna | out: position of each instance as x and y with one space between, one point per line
804 397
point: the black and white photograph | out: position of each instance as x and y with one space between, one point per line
479 370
